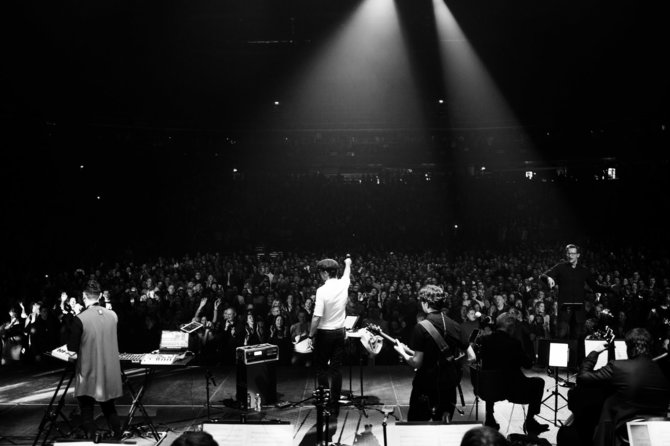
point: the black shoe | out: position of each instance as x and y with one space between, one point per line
532 427
491 422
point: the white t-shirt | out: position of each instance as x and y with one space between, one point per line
331 302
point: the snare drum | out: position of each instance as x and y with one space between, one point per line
303 346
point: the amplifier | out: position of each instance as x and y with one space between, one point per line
254 354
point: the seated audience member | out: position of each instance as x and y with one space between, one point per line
639 385
11 333
299 333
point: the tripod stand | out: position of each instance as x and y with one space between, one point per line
555 394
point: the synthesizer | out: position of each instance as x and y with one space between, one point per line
64 354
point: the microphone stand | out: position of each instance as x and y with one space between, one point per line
384 422
208 373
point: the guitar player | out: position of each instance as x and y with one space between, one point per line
435 382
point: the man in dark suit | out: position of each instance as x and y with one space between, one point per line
638 383
503 355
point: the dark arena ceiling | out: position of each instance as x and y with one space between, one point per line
222 64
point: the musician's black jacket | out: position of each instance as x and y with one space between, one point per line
638 386
422 341
500 351
571 282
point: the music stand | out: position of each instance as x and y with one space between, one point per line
558 357
349 324
359 401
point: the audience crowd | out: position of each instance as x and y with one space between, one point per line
267 296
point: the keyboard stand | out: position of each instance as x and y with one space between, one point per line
51 414
137 401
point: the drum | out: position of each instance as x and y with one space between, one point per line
303 346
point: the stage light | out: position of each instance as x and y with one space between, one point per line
98 197
81 166
440 101
276 102
234 170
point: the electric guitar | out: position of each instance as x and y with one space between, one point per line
375 329
458 357
372 342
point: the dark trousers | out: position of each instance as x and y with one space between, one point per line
570 322
328 357
523 391
431 405
86 404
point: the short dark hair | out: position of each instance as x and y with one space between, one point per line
330 266
638 342
572 246
92 289
506 322
195 439
433 295
483 436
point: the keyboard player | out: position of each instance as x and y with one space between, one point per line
98 371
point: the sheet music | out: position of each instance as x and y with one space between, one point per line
427 435
649 433
251 434
350 321
558 354
620 351
595 344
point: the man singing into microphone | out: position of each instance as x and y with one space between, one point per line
327 331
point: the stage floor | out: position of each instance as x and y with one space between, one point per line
176 402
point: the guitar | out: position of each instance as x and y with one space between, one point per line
372 342
375 329
457 358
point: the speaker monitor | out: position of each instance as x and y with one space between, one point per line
258 378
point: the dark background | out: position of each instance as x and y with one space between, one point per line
160 101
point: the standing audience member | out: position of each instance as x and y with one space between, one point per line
11 333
